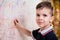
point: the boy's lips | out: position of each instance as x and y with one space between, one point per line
39 22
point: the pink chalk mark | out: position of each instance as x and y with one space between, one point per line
1 19
0 7
9 4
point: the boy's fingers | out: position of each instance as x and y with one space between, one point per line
15 21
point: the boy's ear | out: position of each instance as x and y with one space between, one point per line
52 18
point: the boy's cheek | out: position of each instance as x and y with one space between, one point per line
48 19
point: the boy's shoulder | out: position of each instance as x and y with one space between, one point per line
36 30
51 35
36 34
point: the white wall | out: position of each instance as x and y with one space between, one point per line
12 9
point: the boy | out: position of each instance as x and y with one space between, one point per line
44 16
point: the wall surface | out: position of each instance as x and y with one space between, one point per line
12 9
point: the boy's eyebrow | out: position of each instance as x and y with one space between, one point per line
37 13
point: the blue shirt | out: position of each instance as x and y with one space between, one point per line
48 35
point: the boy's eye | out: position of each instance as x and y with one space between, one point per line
38 15
44 15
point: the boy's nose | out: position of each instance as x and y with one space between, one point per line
41 18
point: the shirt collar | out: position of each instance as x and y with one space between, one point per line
47 30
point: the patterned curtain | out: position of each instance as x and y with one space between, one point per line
56 22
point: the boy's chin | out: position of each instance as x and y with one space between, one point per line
41 26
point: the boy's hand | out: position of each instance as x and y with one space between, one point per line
21 28
17 23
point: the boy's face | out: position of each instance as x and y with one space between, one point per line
43 17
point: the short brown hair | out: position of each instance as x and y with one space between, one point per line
45 4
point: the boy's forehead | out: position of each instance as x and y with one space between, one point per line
43 10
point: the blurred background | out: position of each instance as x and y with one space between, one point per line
56 22
25 11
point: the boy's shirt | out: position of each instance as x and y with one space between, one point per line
47 34
44 32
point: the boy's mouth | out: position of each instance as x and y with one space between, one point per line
39 22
